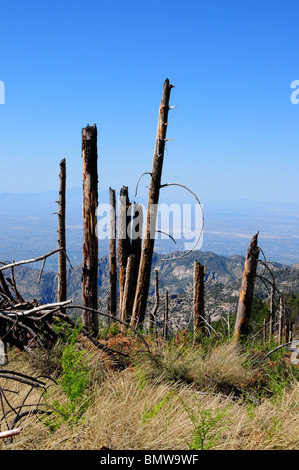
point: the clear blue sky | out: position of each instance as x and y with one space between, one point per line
66 64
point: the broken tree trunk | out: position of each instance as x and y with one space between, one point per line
127 301
136 239
124 248
90 241
280 318
62 282
247 289
166 312
272 312
144 273
198 298
112 254
152 319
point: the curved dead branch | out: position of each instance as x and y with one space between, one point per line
136 190
202 219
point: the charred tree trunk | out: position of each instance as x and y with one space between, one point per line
152 320
112 254
127 301
198 298
144 273
247 289
90 240
62 281
280 318
272 312
166 314
136 240
124 247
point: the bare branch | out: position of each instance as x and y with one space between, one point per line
202 219
28 261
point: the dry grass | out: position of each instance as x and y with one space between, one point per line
140 409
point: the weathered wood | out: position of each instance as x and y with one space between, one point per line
152 319
112 254
127 300
272 312
10 433
136 234
28 261
247 289
3 355
62 279
264 330
198 298
90 240
166 315
123 240
144 273
280 318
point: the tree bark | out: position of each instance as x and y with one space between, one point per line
247 289
112 254
198 298
62 281
166 312
136 239
127 301
90 240
144 273
124 247
272 313
152 320
280 318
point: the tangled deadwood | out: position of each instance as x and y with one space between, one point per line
12 415
29 324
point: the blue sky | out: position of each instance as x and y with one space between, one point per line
66 64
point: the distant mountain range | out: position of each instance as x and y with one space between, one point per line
28 227
222 282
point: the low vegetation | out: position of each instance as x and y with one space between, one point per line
183 394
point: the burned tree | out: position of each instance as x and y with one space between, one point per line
144 273
136 242
62 281
247 289
112 254
198 298
90 241
152 318
124 248
127 299
166 313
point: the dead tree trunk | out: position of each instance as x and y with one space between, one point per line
127 301
264 330
198 298
112 254
247 289
136 238
272 312
90 240
124 248
62 282
144 273
280 318
152 319
166 314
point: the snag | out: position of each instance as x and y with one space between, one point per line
246 294
90 240
144 273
